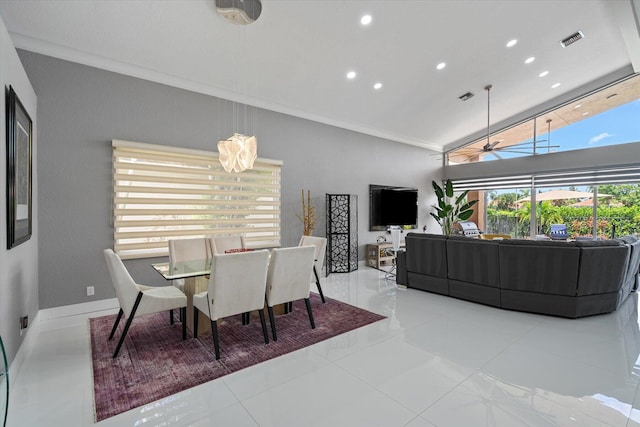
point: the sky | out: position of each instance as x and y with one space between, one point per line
616 126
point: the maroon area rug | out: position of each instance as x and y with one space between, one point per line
154 362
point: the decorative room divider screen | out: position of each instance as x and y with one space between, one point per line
342 233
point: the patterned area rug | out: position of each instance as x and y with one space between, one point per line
154 362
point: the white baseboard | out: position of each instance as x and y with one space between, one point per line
75 309
25 348
49 314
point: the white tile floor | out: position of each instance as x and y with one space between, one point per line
435 361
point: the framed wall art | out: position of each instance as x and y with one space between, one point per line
19 170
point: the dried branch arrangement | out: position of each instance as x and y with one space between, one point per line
308 215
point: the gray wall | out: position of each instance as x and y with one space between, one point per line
82 109
18 266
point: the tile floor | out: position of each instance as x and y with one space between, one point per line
435 361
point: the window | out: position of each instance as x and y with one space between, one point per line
505 213
605 117
600 203
163 193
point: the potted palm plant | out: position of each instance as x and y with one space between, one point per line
447 213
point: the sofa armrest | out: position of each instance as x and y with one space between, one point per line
633 267
603 265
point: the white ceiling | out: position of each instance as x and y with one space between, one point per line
294 58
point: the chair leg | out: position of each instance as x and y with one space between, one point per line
308 304
318 284
246 318
272 320
288 307
126 325
115 325
214 333
263 322
171 317
183 316
195 322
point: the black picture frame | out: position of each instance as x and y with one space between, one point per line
19 170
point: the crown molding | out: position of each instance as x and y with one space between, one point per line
47 48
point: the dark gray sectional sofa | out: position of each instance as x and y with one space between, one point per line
569 279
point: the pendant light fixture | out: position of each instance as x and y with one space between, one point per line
239 151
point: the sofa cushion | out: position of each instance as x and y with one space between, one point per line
473 260
602 268
426 254
546 267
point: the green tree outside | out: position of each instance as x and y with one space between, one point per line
621 212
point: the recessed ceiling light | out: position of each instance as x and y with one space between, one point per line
366 20
578 106
555 85
529 60
441 65
351 75
512 43
377 86
542 74
585 113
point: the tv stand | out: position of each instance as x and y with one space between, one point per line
380 254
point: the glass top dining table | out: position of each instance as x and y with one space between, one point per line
183 269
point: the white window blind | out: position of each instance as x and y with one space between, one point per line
492 183
622 175
589 177
163 193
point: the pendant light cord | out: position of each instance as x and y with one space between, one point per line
488 89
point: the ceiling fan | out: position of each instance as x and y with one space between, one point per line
528 147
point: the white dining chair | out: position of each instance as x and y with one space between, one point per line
222 244
320 244
288 280
138 300
187 250
237 285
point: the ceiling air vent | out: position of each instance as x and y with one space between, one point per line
572 39
466 96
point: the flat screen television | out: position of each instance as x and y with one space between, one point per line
392 206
